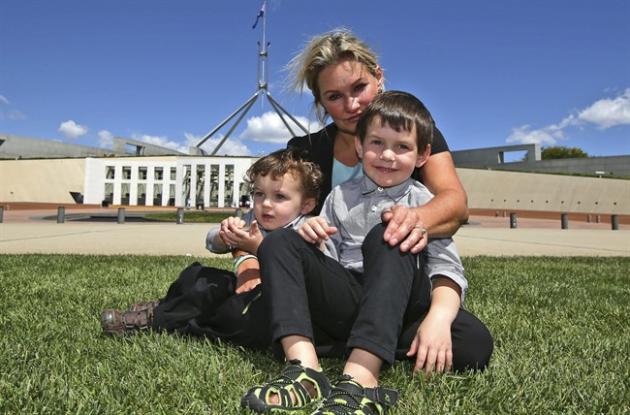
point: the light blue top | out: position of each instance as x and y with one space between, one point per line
342 173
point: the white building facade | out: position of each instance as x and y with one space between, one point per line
166 181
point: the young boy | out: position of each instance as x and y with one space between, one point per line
372 297
217 303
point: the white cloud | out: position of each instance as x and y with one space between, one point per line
524 135
548 135
160 141
4 100
604 113
270 128
231 147
608 112
105 139
72 130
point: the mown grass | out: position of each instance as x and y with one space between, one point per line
191 216
560 327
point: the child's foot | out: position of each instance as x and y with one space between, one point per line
350 398
295 389
117 323
144 305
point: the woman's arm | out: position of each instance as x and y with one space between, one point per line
448 210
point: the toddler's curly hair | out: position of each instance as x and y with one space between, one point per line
292 161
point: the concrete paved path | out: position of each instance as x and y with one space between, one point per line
189 239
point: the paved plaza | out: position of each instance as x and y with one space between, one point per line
26 231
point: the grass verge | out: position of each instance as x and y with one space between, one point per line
191 216
560 329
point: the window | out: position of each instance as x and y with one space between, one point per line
173 173
214 185
142 173
126 172
142 194
157 194
158 173
513 156
109 192
229 185
201 185
171 195
186 187
124 190
110 172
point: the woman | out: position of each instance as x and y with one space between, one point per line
344 76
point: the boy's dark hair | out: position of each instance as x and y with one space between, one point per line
400 111
285 161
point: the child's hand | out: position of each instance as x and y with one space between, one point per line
432 345
245 239
247 276
316 230
228 227
404 224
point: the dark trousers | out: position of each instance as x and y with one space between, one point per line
312 295
202 302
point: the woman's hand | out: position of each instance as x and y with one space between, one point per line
235 235
316 230
432 345
404 224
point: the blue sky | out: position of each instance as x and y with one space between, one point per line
491 72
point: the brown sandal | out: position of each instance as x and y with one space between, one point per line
117 323
144 305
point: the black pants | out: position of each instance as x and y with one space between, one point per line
202 302
312 295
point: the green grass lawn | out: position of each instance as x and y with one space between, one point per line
560 326
191 216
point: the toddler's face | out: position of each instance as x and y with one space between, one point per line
278 202
389 156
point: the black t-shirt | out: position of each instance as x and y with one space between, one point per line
319 149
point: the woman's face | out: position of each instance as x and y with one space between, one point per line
346 88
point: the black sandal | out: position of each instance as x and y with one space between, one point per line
350 398
291 389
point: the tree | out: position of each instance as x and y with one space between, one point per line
560 152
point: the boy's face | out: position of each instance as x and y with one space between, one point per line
278 202
389 157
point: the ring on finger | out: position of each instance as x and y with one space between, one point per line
422 229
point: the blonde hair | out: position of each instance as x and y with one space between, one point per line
328 49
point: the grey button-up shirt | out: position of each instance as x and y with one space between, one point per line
355 207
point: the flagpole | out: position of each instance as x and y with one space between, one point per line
262 77
262 89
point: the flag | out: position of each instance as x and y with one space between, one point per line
261 13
